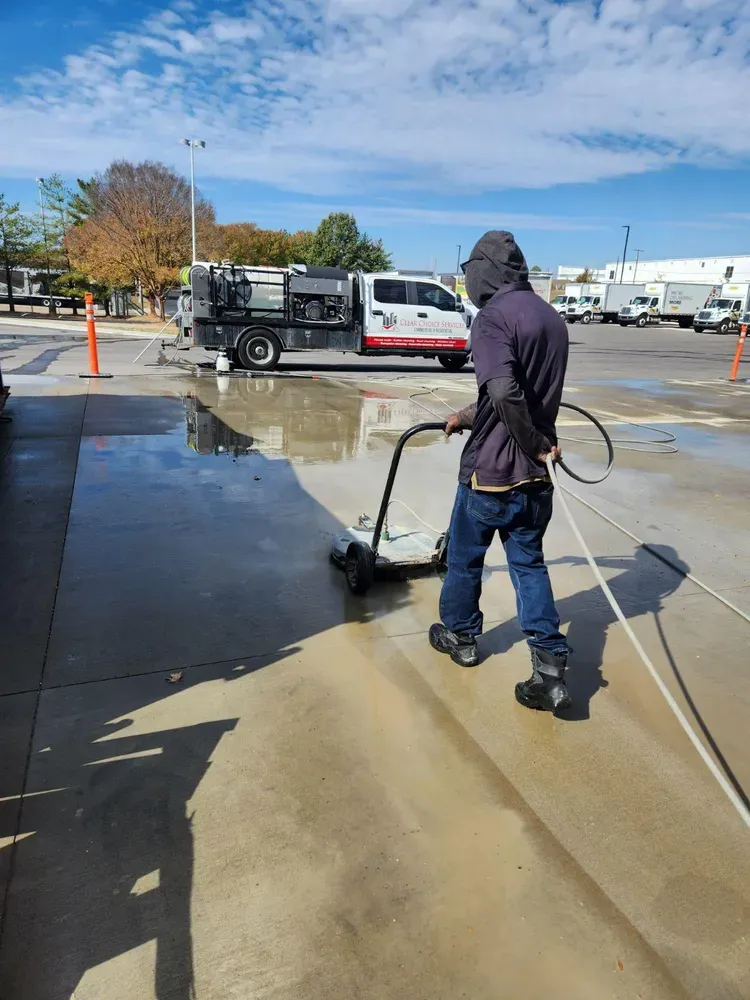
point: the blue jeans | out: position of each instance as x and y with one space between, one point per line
520 516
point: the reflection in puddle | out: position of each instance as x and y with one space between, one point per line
303 420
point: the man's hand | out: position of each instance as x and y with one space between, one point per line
554 452
453 425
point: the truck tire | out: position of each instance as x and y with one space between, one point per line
642 321
570 319
624 324
258 350
699 329
685 324
724 326
586 318
453 362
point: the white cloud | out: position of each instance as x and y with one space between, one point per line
458 96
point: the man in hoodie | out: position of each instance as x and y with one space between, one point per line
520 349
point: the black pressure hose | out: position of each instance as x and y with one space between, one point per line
607 441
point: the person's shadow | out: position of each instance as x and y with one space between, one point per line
646 580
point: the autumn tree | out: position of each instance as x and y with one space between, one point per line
586 275
19 242
246 243
338 242
138 229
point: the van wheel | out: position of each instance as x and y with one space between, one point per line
453 362
641 321
258 351
586 318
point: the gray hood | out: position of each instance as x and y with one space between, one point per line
496 260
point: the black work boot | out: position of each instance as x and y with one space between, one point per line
461 648
545 689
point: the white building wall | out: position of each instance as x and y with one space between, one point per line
565 273
699 269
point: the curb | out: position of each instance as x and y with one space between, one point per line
80 329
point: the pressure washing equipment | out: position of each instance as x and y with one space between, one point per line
371 549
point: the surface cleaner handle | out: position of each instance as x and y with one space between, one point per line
417 429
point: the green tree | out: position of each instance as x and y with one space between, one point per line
19 242
536 269
338 242
81 202
67 209
56 222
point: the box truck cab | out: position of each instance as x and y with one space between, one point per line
722 313
587 306
255 313
643 309
602 302
567 298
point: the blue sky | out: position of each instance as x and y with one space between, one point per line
431 120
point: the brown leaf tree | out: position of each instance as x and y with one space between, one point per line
138 229
246 243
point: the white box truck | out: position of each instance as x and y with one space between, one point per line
602 302
567 298
255 313
542 285
722 313
665 300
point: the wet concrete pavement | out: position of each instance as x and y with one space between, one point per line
237 780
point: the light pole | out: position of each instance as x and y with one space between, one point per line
458 260
193 144
637 257
624 252
40 182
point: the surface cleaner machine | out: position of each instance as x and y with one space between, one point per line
369 549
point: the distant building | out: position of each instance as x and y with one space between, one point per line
565 273
699 269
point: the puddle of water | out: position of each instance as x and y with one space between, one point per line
302 420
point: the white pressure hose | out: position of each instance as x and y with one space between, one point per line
725 786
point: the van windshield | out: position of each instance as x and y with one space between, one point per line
558 299
720 304
585 299
640 300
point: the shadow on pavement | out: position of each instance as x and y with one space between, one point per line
640 588
646 580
